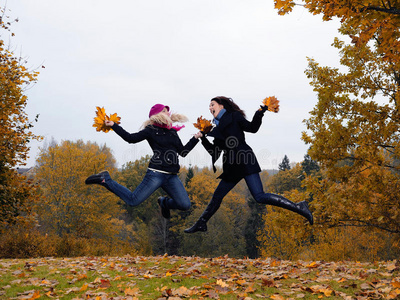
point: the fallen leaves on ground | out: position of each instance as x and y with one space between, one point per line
173 277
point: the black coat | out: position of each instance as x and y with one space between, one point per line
239 159
165 143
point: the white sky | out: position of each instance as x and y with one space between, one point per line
130 55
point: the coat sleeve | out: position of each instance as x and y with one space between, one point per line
212 149
188 147
252 126
207 145
130 137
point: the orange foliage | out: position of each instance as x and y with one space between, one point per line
101 117
272 103
203 125
15 129
353 133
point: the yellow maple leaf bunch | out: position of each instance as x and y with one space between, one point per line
101 117
203 125
272 103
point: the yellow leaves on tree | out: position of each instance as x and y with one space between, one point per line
68 205
272 103
349 130
284 6
101 117
15 126
203 125
15 129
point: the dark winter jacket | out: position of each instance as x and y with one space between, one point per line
165 143
238 158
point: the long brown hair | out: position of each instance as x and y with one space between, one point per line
228 104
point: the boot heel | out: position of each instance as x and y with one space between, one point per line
200 225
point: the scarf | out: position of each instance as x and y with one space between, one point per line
218 117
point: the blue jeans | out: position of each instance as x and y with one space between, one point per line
153 180
254 184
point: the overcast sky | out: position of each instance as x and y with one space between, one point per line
126 56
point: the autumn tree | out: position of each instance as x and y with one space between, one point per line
286 180
288 236
15 127
70 207
354 128
285 234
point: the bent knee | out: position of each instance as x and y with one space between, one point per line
186 206
260 197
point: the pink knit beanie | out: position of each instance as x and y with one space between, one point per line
157 109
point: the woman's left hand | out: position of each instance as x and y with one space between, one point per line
198 135
109 123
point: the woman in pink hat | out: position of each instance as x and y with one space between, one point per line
163 168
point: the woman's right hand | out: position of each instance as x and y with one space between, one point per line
109 123
263 108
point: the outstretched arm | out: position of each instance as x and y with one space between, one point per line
190 145
126 136
255 123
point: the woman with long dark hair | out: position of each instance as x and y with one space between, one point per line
239 160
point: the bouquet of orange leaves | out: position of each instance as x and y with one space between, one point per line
203 125
272 103
101 117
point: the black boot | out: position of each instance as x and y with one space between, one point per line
301 208
99 178
305 211
200 225
166 213
211 209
